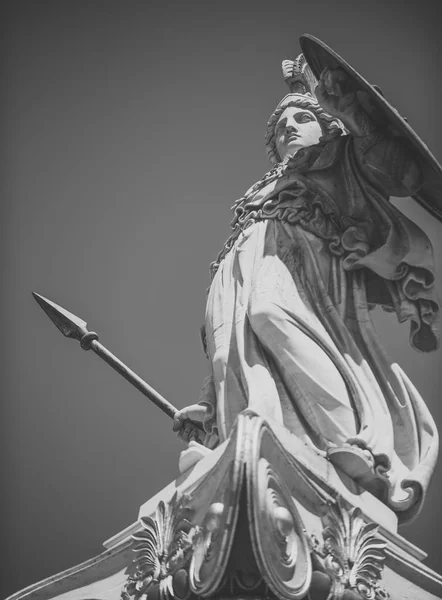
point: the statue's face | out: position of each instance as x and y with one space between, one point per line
296 128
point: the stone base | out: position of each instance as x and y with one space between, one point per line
261 516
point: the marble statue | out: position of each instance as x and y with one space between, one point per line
316 245
308 446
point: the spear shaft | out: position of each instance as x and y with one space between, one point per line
73 327
134 379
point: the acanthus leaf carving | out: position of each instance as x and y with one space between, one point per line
162 552
352 555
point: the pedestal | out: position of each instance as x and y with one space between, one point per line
261 516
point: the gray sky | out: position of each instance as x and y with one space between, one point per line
129 128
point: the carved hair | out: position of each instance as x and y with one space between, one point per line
330 126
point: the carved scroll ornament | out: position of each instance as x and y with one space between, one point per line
278 537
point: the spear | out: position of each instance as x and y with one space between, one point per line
73 327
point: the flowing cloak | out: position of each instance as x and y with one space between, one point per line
315 245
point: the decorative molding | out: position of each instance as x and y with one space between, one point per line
163 550
352 556
206 552
238 533
279 542
240 525
217 531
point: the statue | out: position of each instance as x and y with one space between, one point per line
302 413
315 245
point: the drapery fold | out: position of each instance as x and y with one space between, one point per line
288 324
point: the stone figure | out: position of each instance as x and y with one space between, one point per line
316 244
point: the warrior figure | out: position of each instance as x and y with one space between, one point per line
316 244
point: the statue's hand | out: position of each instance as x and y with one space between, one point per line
334 94
188 422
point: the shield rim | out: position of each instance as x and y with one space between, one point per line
308 45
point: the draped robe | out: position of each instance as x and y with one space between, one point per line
315 245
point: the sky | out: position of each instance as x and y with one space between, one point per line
129 129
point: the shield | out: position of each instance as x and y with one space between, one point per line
319 56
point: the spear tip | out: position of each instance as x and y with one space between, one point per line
69 324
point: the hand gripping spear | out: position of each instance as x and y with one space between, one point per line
75 328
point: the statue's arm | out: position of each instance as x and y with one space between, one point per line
387 161
390 163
